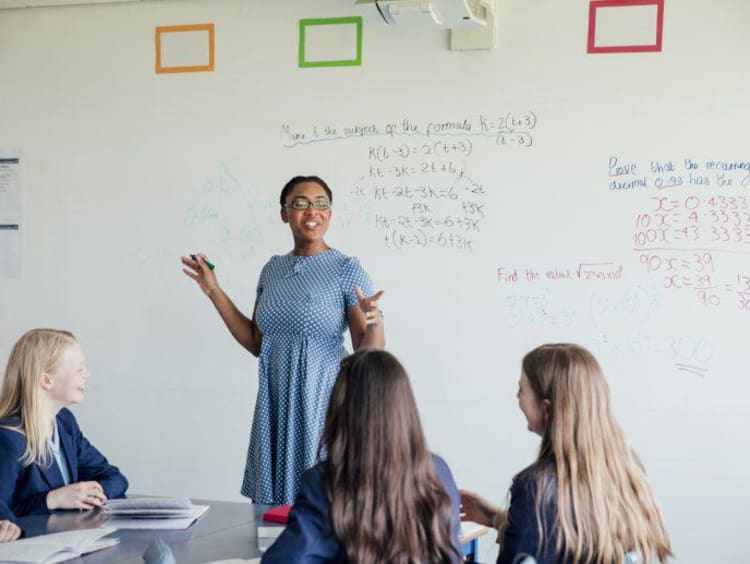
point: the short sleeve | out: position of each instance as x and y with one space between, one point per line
352 275
262 279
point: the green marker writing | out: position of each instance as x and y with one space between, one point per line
208 264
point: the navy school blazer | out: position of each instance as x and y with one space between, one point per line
309 537
23 489
521 536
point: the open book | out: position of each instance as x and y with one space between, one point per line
57 547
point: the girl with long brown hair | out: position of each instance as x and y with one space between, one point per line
586 499
379 495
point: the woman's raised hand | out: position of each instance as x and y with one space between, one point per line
198 270
369 306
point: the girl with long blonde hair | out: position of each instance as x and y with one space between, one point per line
586 499
45 461
379 496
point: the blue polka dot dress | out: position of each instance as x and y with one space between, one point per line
302 304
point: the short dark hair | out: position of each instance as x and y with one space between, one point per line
289 186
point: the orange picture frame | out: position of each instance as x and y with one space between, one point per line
161 30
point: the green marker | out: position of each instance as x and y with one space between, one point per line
208 264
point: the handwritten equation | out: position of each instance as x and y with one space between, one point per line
580 272
685 173
718 221
448 213
415 188
505 129
695 217
697 272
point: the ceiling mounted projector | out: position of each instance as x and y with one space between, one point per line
445 13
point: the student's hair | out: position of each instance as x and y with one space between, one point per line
387 503
289 186
605 503
36 352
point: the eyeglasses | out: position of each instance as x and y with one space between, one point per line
301 204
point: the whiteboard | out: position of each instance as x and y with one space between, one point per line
502 199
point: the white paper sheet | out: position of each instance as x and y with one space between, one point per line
10 185
11 248
57 547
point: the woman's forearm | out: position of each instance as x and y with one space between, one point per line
373 337
242 328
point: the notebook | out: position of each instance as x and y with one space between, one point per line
278 514
56 547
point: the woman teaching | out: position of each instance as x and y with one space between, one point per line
305 301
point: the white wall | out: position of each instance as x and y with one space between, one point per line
125 170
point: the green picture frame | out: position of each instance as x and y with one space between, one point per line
305 23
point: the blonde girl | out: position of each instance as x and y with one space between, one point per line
45 461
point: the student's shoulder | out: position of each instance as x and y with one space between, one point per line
537 472
313 488
314 477
440 464
10 421
12 438
537 479
444 473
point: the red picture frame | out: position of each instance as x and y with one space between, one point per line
597 4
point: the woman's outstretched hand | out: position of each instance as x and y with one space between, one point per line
198 270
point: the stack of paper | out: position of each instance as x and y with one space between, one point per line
149 507
57 547
153 513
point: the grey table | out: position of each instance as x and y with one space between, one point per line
227 530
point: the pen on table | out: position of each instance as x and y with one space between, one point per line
208 264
